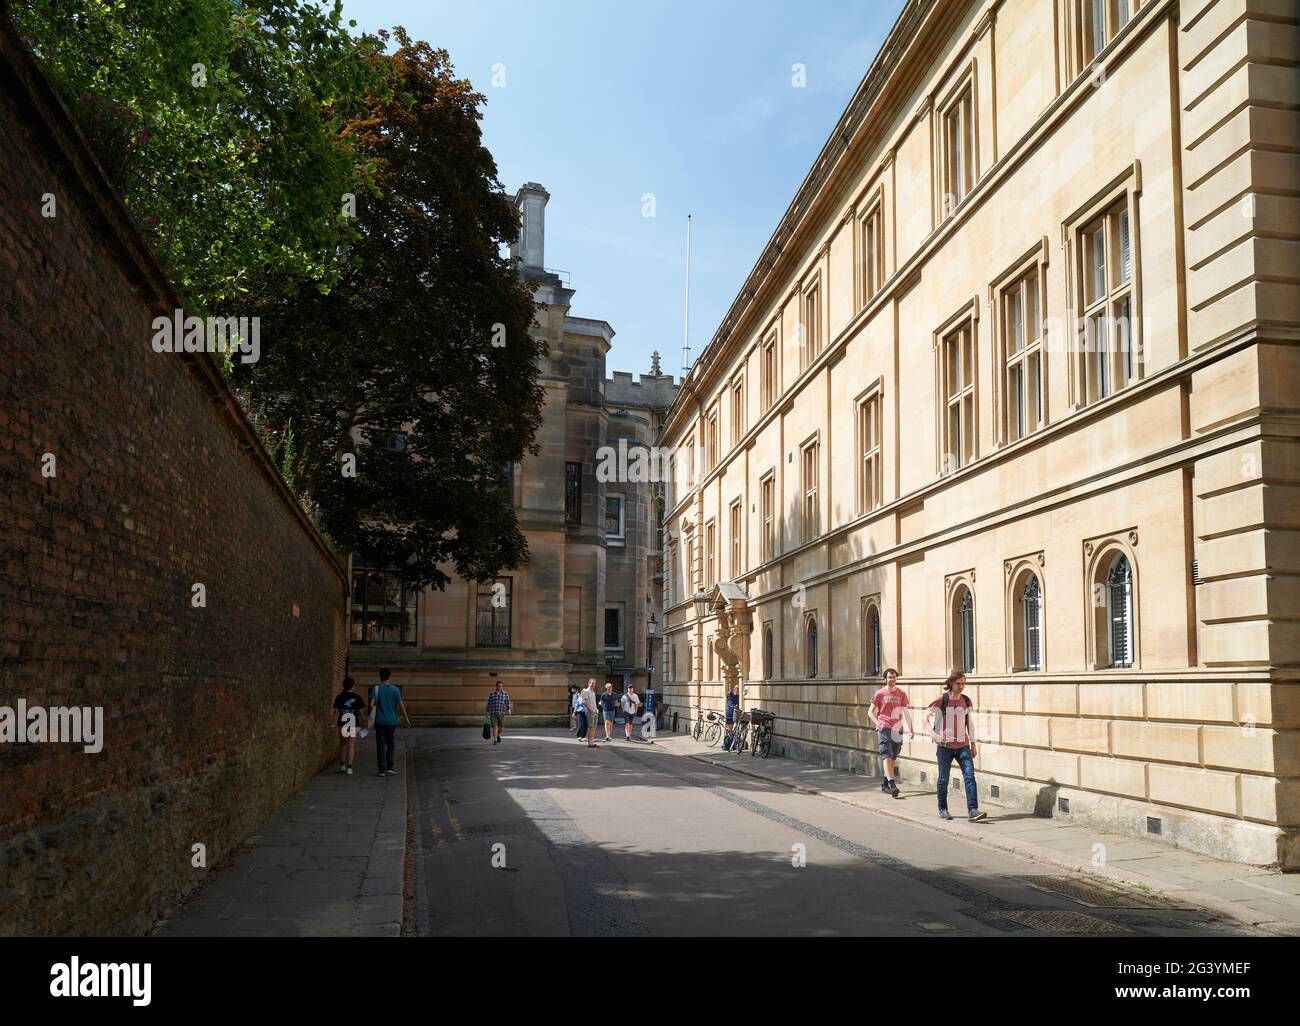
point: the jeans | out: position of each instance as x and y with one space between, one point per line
963 757
582 724
385 741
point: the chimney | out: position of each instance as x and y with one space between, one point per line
530 248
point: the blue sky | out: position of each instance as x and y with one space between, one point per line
605 101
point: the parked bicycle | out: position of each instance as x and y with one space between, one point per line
708 728
740 733
761 731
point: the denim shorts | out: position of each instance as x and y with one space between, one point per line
889 748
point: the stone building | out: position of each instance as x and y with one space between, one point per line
1014 388
580 605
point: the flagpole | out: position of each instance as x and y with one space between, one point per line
686 333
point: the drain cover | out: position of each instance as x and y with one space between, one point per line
1052 921
1096 893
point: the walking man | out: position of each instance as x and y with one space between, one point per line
631 703
589 710
385 705
498 708
350 707
609 709
952 725
888 714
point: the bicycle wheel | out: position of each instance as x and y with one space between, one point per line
699 729
713 735
742 739
755 741
767 744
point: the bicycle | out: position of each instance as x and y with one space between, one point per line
761 738
740 734
708 728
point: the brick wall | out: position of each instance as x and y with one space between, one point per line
212 716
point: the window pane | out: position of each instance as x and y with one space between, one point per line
1123 341
1015 402
1096 27
968 144
968 428
1035 393
1125 250
1015 326
1033 325
1095 258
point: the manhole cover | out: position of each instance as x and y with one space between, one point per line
1051 921
1096 894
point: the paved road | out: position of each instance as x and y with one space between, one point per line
633 840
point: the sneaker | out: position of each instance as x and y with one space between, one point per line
978 814
391 773
945 814
382 773
893 789
884 785
341 767
348 771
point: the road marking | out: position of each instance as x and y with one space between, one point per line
451 818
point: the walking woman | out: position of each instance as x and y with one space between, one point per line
952 725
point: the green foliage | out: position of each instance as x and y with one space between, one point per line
233 131
402 345
218 123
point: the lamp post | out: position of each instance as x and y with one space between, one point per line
651 626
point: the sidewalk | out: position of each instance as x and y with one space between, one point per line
330 863
1262 898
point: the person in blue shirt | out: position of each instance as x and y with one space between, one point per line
733 716
385 705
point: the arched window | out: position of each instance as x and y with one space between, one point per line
767 652
1031 623
963 630
811 637
1119 612
871 640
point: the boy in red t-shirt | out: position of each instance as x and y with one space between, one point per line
888 714
952 725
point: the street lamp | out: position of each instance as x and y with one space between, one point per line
651 626
701 604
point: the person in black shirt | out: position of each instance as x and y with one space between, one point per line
350 707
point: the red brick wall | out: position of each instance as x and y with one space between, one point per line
212 716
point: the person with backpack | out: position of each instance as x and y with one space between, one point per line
888 714
351 707
386 703
579 711
952 725
631 705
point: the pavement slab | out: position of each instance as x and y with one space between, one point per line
329 863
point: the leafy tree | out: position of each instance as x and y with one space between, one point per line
419 364
218 123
